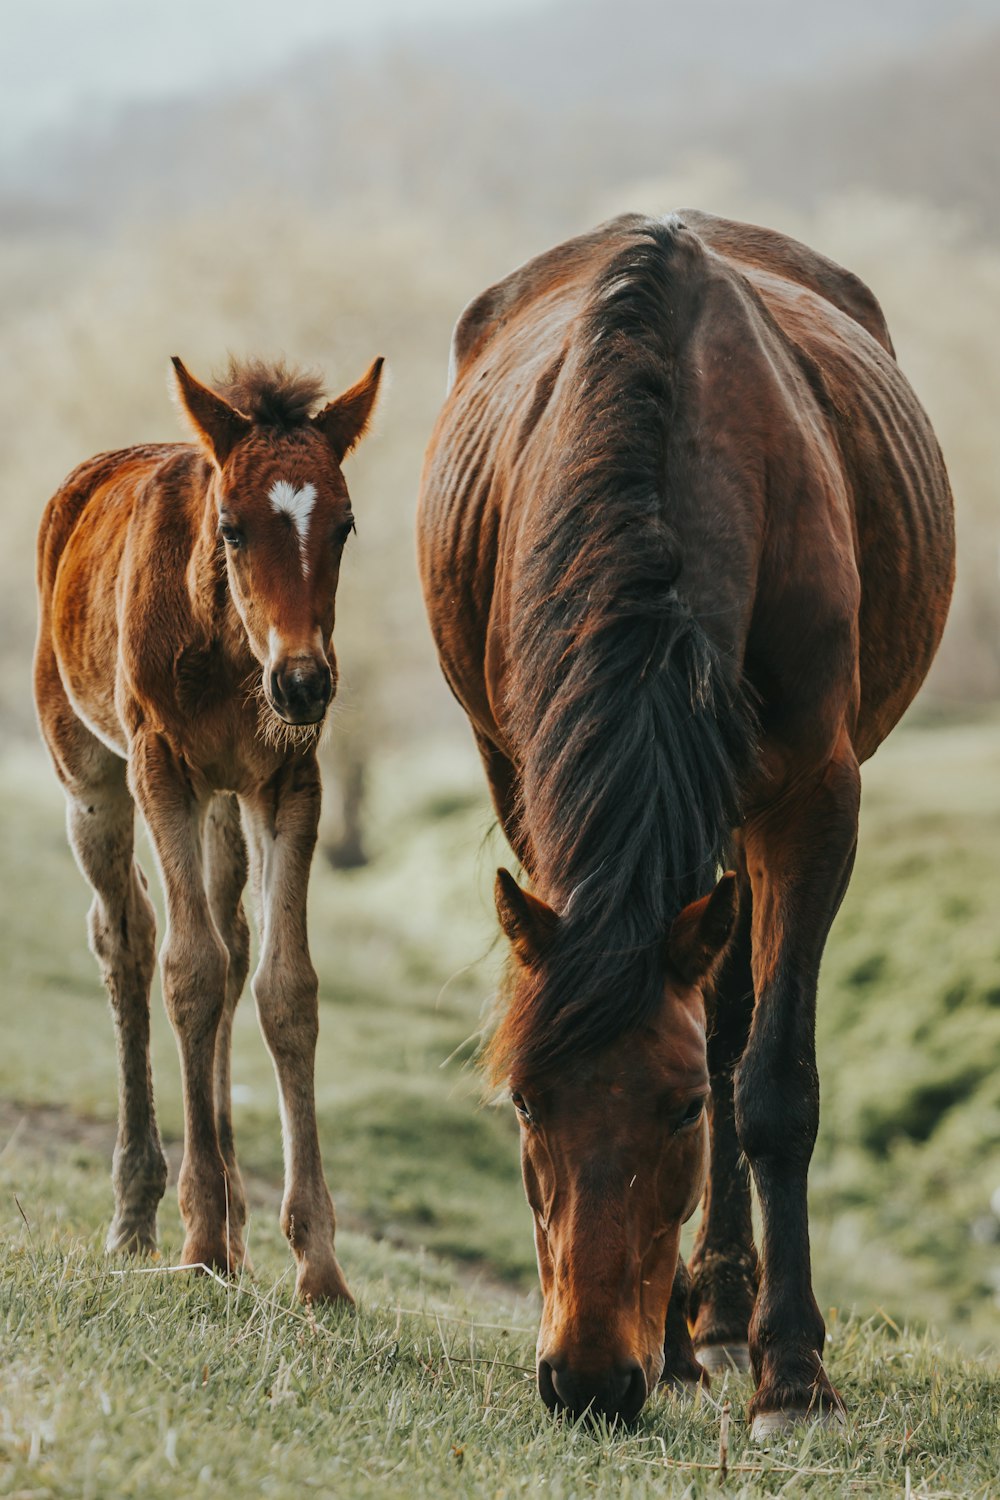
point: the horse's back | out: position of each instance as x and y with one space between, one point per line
787 387
896 495
749 247
754 248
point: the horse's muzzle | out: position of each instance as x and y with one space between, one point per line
617 1395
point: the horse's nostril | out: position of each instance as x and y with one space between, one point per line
275 685
634 1394
546 1385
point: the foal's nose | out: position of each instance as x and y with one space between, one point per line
301 688
618 1394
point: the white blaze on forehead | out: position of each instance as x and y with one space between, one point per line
298 504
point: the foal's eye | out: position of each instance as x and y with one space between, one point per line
692 1113
344 530
231 535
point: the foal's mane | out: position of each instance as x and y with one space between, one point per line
633 734
272 393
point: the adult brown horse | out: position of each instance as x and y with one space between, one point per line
185 661
687 549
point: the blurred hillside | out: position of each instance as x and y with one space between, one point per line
354 199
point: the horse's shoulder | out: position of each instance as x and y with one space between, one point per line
750 247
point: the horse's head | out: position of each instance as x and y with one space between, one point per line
283 514
614 1155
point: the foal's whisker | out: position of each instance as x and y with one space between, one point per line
273 730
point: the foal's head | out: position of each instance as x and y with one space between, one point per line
283 513
614 1152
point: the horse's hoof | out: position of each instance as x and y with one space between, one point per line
780 1424
718 1358
682 1390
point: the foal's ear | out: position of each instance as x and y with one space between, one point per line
217 425
345 421
528 922
701 931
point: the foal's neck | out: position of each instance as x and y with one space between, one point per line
212 604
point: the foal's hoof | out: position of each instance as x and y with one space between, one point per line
228 1259
718 1358
767 1425
130 1239
323 1284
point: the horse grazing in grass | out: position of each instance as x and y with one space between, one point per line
687 550
185 663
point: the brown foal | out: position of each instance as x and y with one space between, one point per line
185 665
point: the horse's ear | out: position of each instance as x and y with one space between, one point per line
700 932
528 922
217 425
345 421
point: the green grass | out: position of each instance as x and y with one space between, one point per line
159 1384
104 1388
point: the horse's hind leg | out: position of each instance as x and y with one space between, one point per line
800 852
724 1262
225 878
122 929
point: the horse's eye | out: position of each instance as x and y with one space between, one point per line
231 535
519 1104
344 530
692 1113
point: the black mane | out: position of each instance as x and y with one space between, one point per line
271 392
634 737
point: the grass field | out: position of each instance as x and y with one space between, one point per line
152 1384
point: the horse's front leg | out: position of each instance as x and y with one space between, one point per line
281 822
799 855
194 964
724 1261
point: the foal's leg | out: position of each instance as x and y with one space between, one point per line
194 964
799 854
281 823
225 878
724 1261
122 929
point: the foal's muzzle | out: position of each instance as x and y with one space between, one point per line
618 1394
300 689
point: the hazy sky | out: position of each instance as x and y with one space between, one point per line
60 56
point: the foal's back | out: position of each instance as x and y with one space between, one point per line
105 547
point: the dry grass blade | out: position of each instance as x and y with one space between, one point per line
724 1440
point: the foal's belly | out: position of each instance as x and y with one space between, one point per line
85 638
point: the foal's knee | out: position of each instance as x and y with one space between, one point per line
123 936
194 972
286 997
